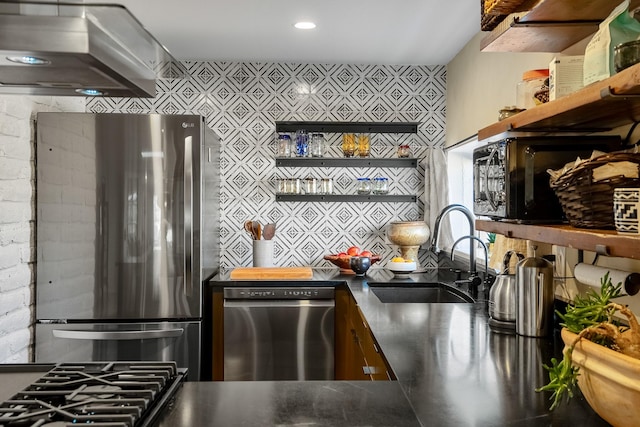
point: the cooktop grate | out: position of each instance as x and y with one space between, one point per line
105 394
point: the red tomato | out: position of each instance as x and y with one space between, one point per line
342 254
366 253
353 251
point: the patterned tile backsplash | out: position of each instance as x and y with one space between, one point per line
242 102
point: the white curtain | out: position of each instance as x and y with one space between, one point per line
436 194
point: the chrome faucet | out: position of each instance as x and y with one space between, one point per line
436 232
474 281
486 254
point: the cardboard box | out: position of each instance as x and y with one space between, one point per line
565 75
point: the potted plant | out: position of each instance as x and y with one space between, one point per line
601 356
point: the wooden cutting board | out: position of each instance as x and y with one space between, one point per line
241 273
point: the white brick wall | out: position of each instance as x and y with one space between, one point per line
16 219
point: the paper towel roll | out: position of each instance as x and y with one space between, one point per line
591 274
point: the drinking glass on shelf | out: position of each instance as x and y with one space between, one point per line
348 144
380 185
318 145
364 186
282 187
364 146
404 150
293 186
284 145
302 143
310 185
326 186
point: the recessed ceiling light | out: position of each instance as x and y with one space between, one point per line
305 25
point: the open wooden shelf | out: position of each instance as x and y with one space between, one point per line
601 241
598 107
550 26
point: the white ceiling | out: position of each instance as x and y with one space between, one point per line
416 32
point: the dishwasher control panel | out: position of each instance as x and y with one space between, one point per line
279 293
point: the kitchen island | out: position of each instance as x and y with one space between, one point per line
451 370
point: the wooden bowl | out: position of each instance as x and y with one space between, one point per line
344 262
609 380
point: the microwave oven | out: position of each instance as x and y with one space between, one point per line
510 178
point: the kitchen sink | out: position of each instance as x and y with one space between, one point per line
419 293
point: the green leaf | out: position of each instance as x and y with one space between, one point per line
563 378
588 310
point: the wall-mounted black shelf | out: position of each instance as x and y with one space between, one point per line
353 162
341 127
345 198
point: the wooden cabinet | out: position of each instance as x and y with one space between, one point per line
358 356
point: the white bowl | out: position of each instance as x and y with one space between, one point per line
401 267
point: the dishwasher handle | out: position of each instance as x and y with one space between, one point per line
279 303
117 335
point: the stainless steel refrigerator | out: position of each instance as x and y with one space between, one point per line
127 230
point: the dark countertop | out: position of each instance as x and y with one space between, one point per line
452 370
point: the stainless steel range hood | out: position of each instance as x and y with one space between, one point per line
53 48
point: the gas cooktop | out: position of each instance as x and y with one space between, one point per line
105 394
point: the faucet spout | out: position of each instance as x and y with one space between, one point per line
472 261
436 231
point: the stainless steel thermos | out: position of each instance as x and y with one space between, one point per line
534 297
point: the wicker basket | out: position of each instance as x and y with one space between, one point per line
500 7
489 22
589 204
493 12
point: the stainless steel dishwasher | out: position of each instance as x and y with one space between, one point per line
279 333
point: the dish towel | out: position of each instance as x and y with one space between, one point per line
436 194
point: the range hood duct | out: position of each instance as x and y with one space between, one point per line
74 48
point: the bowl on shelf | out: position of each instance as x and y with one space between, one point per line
609 380
344 262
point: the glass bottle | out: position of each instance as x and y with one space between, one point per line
364 186
364 147
348 144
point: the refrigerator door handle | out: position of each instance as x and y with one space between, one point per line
117 335
188 212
